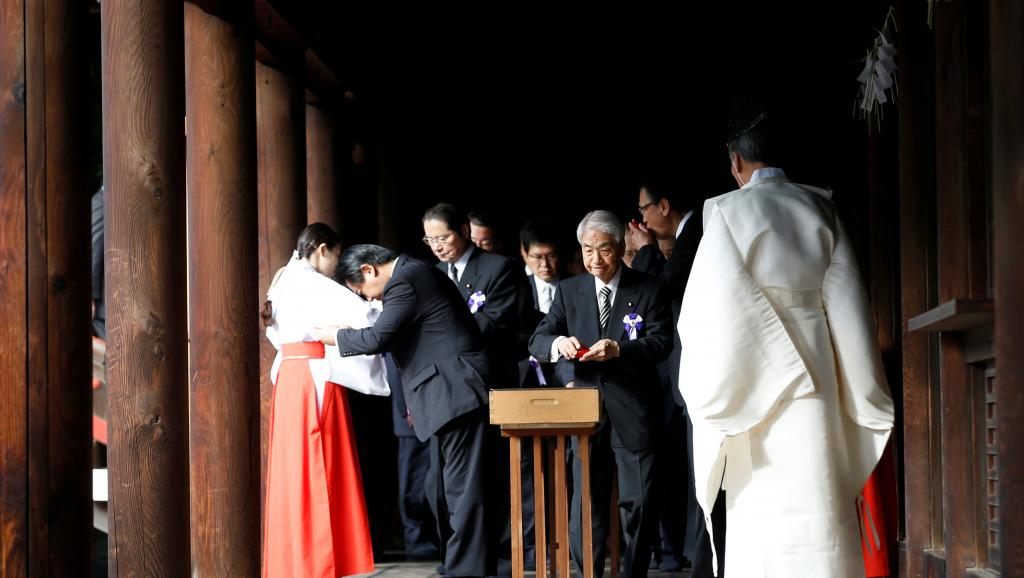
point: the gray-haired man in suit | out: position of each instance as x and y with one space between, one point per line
624 317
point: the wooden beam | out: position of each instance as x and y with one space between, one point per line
962 271
1007 153
144 170
321 184
14 536
59 289
916 76
281 186
223 330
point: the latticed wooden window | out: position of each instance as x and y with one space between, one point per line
991 469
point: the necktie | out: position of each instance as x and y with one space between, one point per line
606 305
545 299
453 272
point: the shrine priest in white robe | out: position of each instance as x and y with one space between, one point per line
781 371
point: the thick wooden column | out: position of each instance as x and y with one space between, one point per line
147 378
281 183
223 307
60 347
921 467
14 528
45 502
1007 150
321 187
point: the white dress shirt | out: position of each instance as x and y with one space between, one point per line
598 285
686 217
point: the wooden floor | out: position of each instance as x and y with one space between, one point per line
428 570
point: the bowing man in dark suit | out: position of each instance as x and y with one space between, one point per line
446 369
667 217
418 526
624 318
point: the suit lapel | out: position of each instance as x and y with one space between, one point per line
625 301
536 296
468 279
587 303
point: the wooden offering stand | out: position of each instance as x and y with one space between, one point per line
548 413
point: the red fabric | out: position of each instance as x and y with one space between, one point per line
315 519
877 512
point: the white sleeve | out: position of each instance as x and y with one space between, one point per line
737 361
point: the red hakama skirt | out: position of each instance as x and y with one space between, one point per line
315 522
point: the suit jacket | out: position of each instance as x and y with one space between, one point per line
435 343
503 283
399 426
675 272
532 318
629 384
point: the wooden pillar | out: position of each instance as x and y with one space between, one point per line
14 528
1007 150
223 305
962 271
147 378
921 469
45 498
281 183
321 196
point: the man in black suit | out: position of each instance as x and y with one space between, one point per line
625 320
668 216
418 525
446 369
540 251
493 287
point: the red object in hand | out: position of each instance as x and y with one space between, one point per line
581 352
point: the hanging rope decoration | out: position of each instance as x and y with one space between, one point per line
877 78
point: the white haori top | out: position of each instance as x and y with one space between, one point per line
303 299
782 376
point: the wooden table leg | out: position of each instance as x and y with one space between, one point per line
561 511
539 517
515 458
586 521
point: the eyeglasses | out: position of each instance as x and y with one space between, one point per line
643 208
441 240
546 257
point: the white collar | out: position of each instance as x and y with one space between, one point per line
686 217
541 284
765 173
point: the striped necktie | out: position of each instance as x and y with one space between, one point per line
453 272
606 305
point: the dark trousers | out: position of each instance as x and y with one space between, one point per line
676 488
464 455
702 559
418 526
637 496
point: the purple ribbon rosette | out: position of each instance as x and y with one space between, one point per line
632 323
536 368
476 302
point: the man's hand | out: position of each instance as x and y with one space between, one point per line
327 333
568 347
638 235
603 350
408 420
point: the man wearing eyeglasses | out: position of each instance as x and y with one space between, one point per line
669 217
495 291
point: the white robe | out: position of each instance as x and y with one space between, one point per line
302 299
783 380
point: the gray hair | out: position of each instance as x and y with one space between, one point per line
603 221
